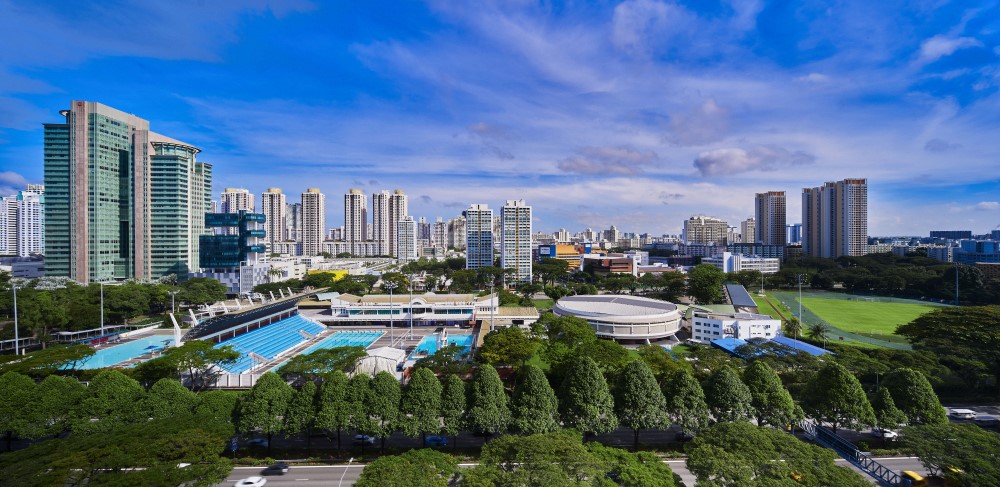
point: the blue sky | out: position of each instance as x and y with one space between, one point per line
637 113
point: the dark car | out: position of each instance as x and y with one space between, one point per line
436 441
280 468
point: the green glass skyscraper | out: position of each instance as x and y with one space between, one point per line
125 202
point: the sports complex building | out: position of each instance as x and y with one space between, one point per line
626 319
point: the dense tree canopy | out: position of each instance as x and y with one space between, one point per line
639 403
835 396
728 398
705 283
969 448
423 468
509 345
966 340
585 403
534 408
740 453
489 410
772 404
686 404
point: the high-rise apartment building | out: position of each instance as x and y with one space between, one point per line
424 230
398 209
293 221
121 201
381 223
515 240
748 230
478 236
440 237
273 204
31 220
355 219
235 199
406 240
835 219
8 225
457 233
793 234
313 221
705 230
769 213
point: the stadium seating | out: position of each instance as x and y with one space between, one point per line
269 341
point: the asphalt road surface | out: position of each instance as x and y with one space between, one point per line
337 475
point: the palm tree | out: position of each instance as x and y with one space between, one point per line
819 331
794 327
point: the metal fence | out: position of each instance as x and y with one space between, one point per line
885 476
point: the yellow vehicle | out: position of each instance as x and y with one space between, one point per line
916 480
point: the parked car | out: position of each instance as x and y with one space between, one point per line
884 434
280 468
987 421
251 482
436 441
963 414
364 439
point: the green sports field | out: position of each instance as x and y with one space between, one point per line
865 317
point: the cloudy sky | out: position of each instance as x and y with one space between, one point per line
638 113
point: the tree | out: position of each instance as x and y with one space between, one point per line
15 411
110 402
557 458
661 362
639 403
357 401
489 411
334 411
793 327
686 404
966 338
746 278
453 404
887 415
835 396
201 290
550 270
914 396
421 407
263 408
321 362
534 408
507 346
772 404
425 468
740 453
45 362
198 358
641 469
168 398
974 451
728 398
584 400
300 417
56 397
219 408
819 331
383 405
705 283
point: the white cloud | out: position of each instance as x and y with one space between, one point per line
721 162
608 160
941 46
708 123
817 78
988 206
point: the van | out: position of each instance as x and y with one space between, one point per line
963 414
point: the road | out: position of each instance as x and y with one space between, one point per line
333 475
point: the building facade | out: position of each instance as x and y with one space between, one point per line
769 214
355 218
748 230
729 262
705 230
515 245
406 240
293 222
707 326
121 201
835 219
478 236
273 206
313 221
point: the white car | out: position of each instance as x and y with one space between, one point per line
251 482
963 414
884 434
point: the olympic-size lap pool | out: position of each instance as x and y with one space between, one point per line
429 345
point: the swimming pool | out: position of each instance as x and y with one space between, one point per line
119 353
429 345
342 339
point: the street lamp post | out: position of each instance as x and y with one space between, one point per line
173 306
411 306
799 279
17 339
390 286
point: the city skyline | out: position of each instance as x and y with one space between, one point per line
638 114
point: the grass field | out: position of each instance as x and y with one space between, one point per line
864 317
543 303
764 308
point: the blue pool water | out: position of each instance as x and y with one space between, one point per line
428 345
344 339
120 353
